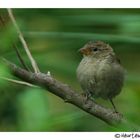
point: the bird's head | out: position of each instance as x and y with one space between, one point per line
96 49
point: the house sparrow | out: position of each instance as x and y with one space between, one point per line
100 73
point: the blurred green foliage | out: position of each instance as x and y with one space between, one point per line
54 37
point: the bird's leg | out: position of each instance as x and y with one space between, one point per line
113 105
86 97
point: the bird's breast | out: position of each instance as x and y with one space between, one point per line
100 77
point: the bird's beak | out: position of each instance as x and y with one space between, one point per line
85 51
82 50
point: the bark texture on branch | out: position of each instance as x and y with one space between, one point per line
66 93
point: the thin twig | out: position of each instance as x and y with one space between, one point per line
33 62
20 58
18 82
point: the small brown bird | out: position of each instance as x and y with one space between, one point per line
100 72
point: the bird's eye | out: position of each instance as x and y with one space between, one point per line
94 49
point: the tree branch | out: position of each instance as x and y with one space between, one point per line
66 93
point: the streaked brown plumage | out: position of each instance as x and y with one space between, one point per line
100 73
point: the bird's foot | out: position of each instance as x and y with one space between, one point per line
86 97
